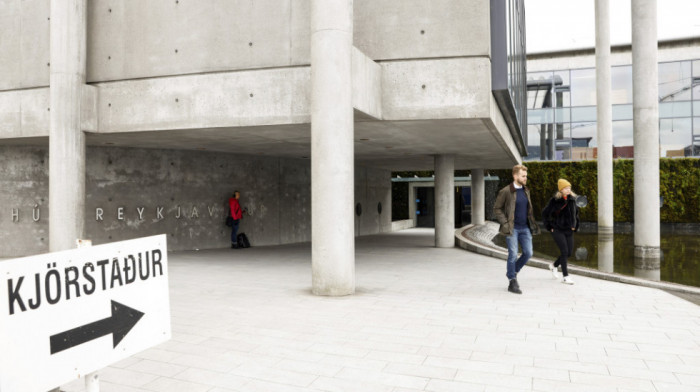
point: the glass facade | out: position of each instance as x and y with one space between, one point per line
562 112
516 57
508 66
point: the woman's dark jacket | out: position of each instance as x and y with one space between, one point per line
561 214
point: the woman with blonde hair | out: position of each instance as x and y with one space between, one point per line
561 218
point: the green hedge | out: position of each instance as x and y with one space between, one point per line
679 186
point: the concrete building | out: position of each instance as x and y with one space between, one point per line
122 120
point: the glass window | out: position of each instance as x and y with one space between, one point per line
562 141
562 115
540 99
539 76
562 131
563 151
539 84
583 87
621 84
584 141
584 134
562 88
696 108
532 99
696 137
674 109
674 81
696 80
675 137
587 113
622 112
533 142
623 139
539 116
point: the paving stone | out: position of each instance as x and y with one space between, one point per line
422 319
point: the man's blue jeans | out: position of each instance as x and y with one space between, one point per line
524 237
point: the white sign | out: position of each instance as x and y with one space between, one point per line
66 314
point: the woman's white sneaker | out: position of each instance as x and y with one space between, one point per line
567 280
554 271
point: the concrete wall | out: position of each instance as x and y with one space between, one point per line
140 39
23 185
371 189
234 99
432 89
404 29
24 113
24 46
178 65
131 185
395 90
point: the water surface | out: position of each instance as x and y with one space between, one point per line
680 259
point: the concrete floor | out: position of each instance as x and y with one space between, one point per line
423 319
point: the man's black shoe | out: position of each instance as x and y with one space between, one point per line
234 246
513 287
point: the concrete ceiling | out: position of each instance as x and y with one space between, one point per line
392 145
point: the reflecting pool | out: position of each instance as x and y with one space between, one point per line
679 263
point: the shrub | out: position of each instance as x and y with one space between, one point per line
679 185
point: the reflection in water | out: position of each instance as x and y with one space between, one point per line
679 262
606 253
648 268
581 253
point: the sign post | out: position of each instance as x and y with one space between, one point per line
92 380
65 315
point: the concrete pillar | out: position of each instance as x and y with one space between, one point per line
604 113
478 197
412 207
66 138
444 201
646 129
606 253
332 153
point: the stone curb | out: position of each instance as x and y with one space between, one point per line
477 244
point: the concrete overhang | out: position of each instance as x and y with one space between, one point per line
405 113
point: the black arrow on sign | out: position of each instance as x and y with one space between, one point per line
119 324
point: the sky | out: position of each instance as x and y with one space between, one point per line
554 25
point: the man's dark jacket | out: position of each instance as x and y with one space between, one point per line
504 209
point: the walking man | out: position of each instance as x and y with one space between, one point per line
513 209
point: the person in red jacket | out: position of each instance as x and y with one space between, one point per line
236 214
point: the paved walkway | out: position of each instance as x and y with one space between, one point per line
423 319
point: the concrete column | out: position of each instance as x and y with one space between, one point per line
412 204
478 197
66 138
444 201
646 129
604 113
606 252
332 153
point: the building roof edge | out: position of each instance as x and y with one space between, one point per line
664 44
